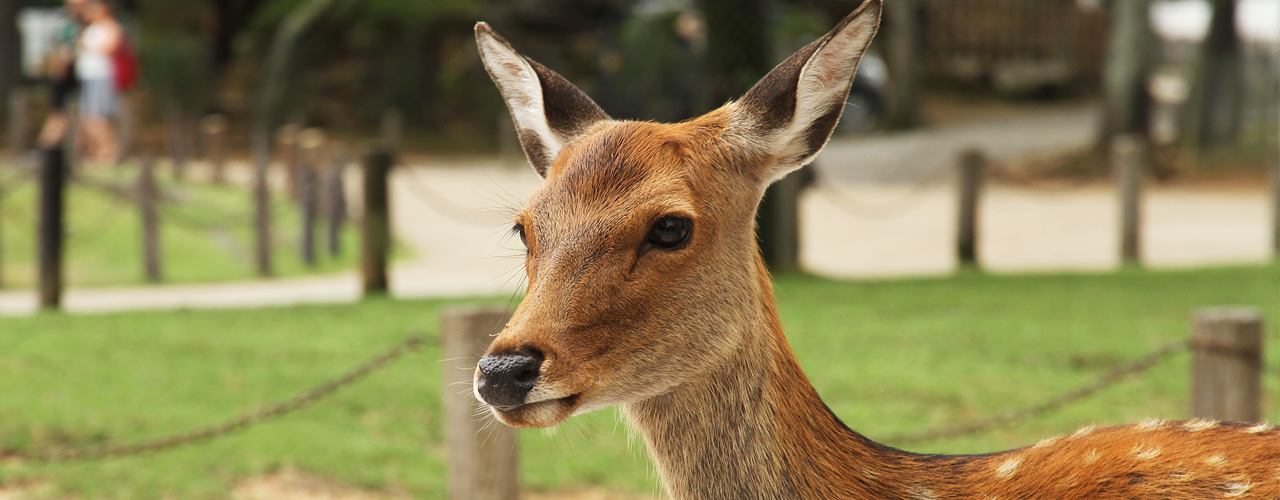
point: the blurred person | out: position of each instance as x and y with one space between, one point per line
62 76
95 66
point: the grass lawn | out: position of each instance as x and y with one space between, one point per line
888 357
206 234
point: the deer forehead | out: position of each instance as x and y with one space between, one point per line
622 172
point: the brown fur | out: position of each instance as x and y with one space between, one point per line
688 342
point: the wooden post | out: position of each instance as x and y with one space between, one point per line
1127 159
215 145
1227 364
150 219
287 138
1275 201
262 201
972 164
53 171
779 224
177 131
375 230
307 205
336 204
19 120
2 196
392 126
1275 207
310 144
482 456
126 118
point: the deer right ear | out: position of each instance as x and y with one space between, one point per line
791 112
549 112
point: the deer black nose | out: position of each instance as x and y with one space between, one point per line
505 379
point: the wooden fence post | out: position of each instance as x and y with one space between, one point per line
778 222
262 201
177 132
972 164
288 146
215 145
1127 159
482 455
1275 207
375 228
392 126
336 204
150 219
310 145
1227 364
3 193
53 171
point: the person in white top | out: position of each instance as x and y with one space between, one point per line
95 68
63 81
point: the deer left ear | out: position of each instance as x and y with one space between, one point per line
793 109
549 112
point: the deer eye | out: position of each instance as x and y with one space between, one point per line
519 229
670 232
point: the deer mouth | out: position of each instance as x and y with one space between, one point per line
544 413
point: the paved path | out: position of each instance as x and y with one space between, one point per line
876 220
924 153
897 231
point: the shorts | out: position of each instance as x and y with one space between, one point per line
97 98
62 88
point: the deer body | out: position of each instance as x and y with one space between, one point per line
646 290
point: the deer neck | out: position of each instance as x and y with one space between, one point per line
754 427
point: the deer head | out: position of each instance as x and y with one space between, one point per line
643 266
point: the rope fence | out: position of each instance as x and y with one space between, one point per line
232 425
849 204
432 199
1009 418
318 392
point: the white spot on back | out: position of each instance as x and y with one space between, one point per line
1199 424
1084 431
921 493
1091 457
1258 429
1217 460
1142 452
1047 441
1008 467
1151 424
1235 489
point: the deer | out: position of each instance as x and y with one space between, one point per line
646 290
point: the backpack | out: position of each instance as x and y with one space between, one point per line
125 63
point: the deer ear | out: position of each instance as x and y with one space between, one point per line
549 112
793 109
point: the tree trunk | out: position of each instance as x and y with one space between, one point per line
1127 101
280 61
739 49
739 52
10 54
1213 115
902 20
